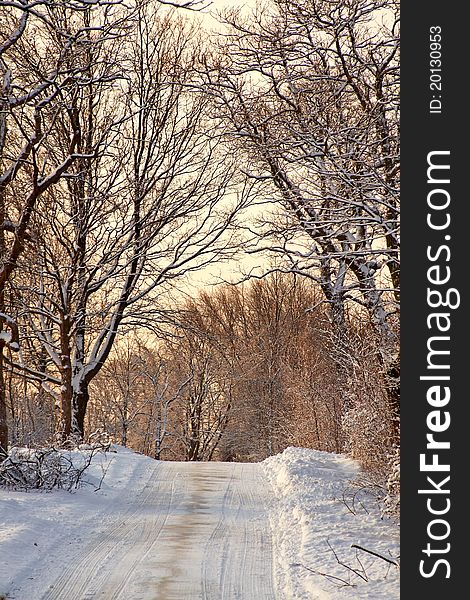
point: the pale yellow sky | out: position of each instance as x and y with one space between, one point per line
237 268
219 5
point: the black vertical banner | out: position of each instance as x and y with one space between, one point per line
435 359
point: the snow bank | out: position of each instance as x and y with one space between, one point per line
34 523
311 523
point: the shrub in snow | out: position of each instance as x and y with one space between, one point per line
99 439
392 499
371 439
46 468
368 431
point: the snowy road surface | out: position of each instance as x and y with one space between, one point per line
198 531
144 530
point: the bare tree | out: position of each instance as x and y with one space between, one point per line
205 399
148 210
133 395
41 85
162 391
308 92
242 375
261 340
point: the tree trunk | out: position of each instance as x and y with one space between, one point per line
3 394
3 399
65 423
341 352
158 434
392 386
3 407
80 402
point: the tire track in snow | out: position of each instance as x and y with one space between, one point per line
85 577
138 544
232 569
218 532
200 531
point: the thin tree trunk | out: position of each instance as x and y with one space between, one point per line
3 399
65 423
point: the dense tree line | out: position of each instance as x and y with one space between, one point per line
308 92
248 371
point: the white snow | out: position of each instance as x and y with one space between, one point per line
41 531
5 336
310 520
43 535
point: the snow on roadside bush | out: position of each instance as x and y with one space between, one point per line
392 499
316 517
47 468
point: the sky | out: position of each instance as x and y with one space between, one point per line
235 269
218 5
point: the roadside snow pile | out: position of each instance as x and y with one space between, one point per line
316 516
40 531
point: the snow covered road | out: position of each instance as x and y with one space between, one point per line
197 531
139 529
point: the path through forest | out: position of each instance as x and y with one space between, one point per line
198 531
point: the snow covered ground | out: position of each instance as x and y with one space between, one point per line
205 526
41 532
153 531
311 523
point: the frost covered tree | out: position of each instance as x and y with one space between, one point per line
257 345
308 93
243 374
41 83
116 233
204 401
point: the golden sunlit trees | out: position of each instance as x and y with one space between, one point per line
308 93
143 204
41 83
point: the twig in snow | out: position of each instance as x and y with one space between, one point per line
354 498
362 575
104 471
326 575
392 562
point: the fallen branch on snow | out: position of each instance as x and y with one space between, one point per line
326 575
392 562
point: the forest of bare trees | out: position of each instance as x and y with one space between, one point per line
136 151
